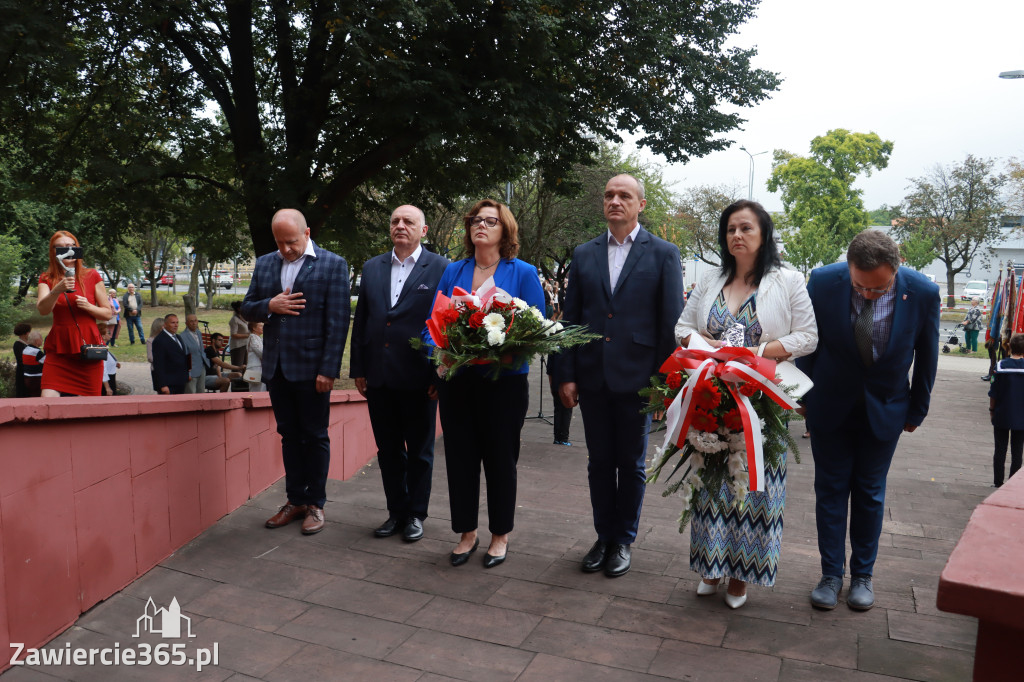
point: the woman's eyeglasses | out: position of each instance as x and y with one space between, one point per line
489 222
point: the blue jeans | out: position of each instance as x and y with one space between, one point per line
135 323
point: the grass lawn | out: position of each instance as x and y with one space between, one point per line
217 319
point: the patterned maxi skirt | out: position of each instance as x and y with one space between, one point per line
740 543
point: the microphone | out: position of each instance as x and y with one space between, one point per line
203 322
70 272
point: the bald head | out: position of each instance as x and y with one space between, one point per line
290 233
408 226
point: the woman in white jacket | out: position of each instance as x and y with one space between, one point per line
254 350
749 301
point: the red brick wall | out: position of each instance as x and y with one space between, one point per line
94 492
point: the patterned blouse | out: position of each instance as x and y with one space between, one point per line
721 319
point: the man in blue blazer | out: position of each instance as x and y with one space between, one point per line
875 321
170 360
394 302
301 294
626 285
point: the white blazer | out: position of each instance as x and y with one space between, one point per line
783 309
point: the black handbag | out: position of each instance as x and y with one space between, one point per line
90 352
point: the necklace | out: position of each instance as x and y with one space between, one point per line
478 267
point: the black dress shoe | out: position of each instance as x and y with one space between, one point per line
388 528
618 560
413 530
458 559
595 558
491 561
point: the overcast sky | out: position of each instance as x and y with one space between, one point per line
924 74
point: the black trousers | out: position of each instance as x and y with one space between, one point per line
302 418
1015 439
563 414
482 421
404 426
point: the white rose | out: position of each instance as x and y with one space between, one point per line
538 315
520 303
495 337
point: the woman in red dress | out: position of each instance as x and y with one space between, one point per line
65 372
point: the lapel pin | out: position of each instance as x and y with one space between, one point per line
904 297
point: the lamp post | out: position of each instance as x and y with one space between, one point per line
750 177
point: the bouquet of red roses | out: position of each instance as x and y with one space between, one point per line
725 417
493 328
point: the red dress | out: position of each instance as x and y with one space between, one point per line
64 369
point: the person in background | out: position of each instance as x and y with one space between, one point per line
198 362
1006 395
563 414
155 328
239 331
32 358
219 372
110 365
115 321
972 325
21 331
254 356
170 359
131 311
77 298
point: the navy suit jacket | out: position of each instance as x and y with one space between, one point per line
380 333
841 381
312 342
170 362
636 323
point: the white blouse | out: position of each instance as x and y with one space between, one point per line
783 309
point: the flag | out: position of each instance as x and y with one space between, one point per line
992 333
1009 307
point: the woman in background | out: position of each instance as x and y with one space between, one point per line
76 297
254 352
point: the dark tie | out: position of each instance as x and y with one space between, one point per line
862 332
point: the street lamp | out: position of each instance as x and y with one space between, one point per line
1019 73
750 178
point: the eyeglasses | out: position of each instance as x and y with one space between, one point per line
869 290
489 222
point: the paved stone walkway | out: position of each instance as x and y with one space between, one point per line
343 605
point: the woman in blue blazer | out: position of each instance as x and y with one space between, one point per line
482 417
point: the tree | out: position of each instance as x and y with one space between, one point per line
437 98
883 215
955 210
10 262
818 193
699 211
804 248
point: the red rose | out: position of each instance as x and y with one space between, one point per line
448 316
674 380
707 396
667 402
732 420
476 319
499 305
749 389
704 421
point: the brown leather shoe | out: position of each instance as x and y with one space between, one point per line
286 515
314 522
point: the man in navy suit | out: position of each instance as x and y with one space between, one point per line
875 320
626 285
301 294
394 302
170 359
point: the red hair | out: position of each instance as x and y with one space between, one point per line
55 273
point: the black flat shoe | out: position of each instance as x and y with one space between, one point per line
458 559
491 561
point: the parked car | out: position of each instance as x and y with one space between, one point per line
223 278
166 280
976 288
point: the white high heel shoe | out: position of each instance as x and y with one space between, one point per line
704 589
734 602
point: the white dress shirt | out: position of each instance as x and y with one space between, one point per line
176 339
617 253
400 271
290 270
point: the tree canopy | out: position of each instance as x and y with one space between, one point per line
818 195
955 210
338 107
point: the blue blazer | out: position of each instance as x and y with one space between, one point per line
312 342
170 362
515 277
841 381
637 322
194 348
380 333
